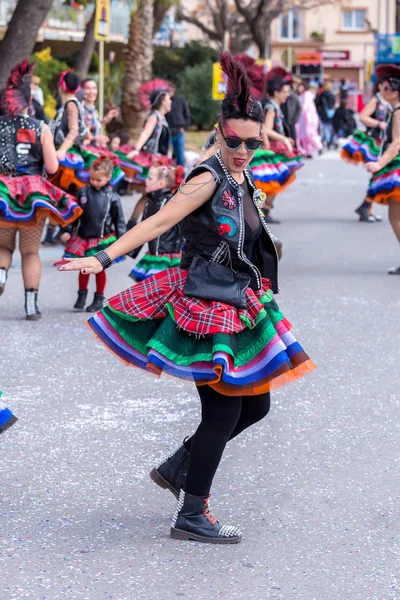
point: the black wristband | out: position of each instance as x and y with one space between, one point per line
104 259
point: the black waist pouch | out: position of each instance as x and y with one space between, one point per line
212 281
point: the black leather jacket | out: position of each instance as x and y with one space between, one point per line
216 230
102 213
170 241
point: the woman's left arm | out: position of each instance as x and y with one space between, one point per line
392 151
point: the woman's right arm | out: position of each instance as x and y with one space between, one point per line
367 111
188 198
270 132
144 136
49 152
73 130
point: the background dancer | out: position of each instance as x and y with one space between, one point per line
308 138
27 198
164 251
100 225
365 146
214 319
384 186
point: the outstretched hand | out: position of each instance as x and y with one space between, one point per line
87 266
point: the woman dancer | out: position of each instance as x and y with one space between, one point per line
91 116
101 224
154 139
27 198
165 251
384 187
365 146
213 319
308 138
70 132
283 156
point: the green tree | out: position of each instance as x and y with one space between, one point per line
195 85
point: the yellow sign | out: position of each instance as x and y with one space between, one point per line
219 82
103 18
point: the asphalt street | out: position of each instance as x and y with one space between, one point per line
315 486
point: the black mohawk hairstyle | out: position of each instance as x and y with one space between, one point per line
239 102
17 93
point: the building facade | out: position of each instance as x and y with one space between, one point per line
334 40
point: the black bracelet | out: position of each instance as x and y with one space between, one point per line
104 259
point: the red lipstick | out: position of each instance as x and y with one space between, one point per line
239 162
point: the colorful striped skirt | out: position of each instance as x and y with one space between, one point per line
293 160
27 200
155 327
74 171
384 185
141 163
78 247
361 148
271 175
151 264
6 417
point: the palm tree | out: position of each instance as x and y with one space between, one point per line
139 56
21 33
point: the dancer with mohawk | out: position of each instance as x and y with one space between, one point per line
26 198
213 319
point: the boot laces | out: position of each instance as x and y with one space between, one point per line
206 511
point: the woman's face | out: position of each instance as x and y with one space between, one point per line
166 103
388 94
283 95
91 91
237 160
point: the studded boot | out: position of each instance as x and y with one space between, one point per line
81 300
31 308
97 304
193 521
3 279
171 473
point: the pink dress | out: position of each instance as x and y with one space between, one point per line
308 138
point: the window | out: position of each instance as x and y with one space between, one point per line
354 20
290 25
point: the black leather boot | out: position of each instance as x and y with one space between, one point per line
193 521
3 279
171 473
97 304
31 308
81 300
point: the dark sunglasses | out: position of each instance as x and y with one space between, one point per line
233 142
387 88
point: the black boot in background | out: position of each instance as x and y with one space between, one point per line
3 279
31 308
97 304
171 473
81 300
193 521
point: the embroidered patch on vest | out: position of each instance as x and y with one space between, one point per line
229 200
26 136
226 226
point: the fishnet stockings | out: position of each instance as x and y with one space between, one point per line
29 243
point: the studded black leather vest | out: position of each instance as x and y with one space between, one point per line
216 230
20 144
389 135
381 114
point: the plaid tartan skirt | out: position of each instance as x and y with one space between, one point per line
154 326
78 247
28 199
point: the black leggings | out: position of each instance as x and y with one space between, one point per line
223 418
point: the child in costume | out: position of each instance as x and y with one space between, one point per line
365 146
213 319
384 187
165 250
101 223
26 197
